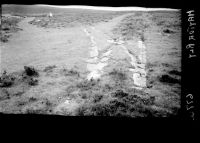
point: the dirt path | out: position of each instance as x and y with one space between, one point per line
102 50
91 48
102 41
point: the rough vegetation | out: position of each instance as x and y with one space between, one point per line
72 19
132 26
16 83
8 26
96 98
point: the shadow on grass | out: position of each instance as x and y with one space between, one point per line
175 72
168 79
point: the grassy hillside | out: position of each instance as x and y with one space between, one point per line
55 57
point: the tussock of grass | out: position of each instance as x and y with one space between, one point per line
33 82
168 31
30 71
30 74
4 95
120 94
21 103
118 75
87 84
4 38
72 73
6 80
32 99
97 98
16 84
49 68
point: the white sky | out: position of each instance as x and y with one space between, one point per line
113 8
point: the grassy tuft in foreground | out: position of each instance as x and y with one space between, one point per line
121 104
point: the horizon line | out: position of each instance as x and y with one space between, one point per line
106 8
